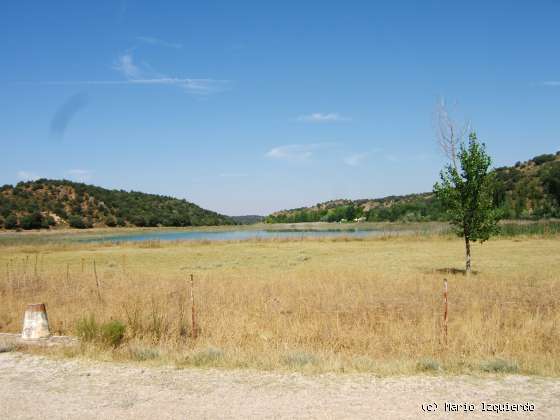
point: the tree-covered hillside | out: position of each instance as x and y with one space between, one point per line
528 190
45 203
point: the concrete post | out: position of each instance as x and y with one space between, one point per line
35 322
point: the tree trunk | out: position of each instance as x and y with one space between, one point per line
468 250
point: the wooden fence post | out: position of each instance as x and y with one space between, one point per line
445 311
97 281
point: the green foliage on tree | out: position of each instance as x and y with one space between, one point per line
539 160
11 222
111 221
551 179
47 222
467 195
412 208
32 221
77 222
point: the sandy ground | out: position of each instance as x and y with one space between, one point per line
36 387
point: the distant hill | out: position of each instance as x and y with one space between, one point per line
248 220
528 190
45 203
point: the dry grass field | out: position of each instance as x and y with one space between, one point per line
341 305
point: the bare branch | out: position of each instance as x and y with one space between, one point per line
449 133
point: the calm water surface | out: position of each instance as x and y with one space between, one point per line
236 235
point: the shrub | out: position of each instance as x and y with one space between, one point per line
299 359
207 356
76 222
32 221
499 366
141 353
109 334
539 160
139 221
427 365
112 333
47 222
11 222
87 329
363 363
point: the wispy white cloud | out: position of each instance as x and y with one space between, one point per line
158 42
356 159
145 75
554 83
27 176
318 117
80 175
200 86
295 152
125 65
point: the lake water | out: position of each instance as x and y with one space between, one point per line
236 235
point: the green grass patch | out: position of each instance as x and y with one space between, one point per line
108 334
143 353
208 356
499 366
529 229
299 359
428 365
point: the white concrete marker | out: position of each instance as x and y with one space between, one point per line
35 322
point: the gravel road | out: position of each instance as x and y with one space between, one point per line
36 387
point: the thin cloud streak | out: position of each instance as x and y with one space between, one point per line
554 83
158 42
136 75
201 86
356 159
318 117
295 152
66 112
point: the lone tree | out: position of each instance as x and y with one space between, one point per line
466 191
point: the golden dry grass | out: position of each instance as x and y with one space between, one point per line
319 305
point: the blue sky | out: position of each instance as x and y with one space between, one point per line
250 107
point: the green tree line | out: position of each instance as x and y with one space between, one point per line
529 190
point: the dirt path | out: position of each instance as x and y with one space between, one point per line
35 387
